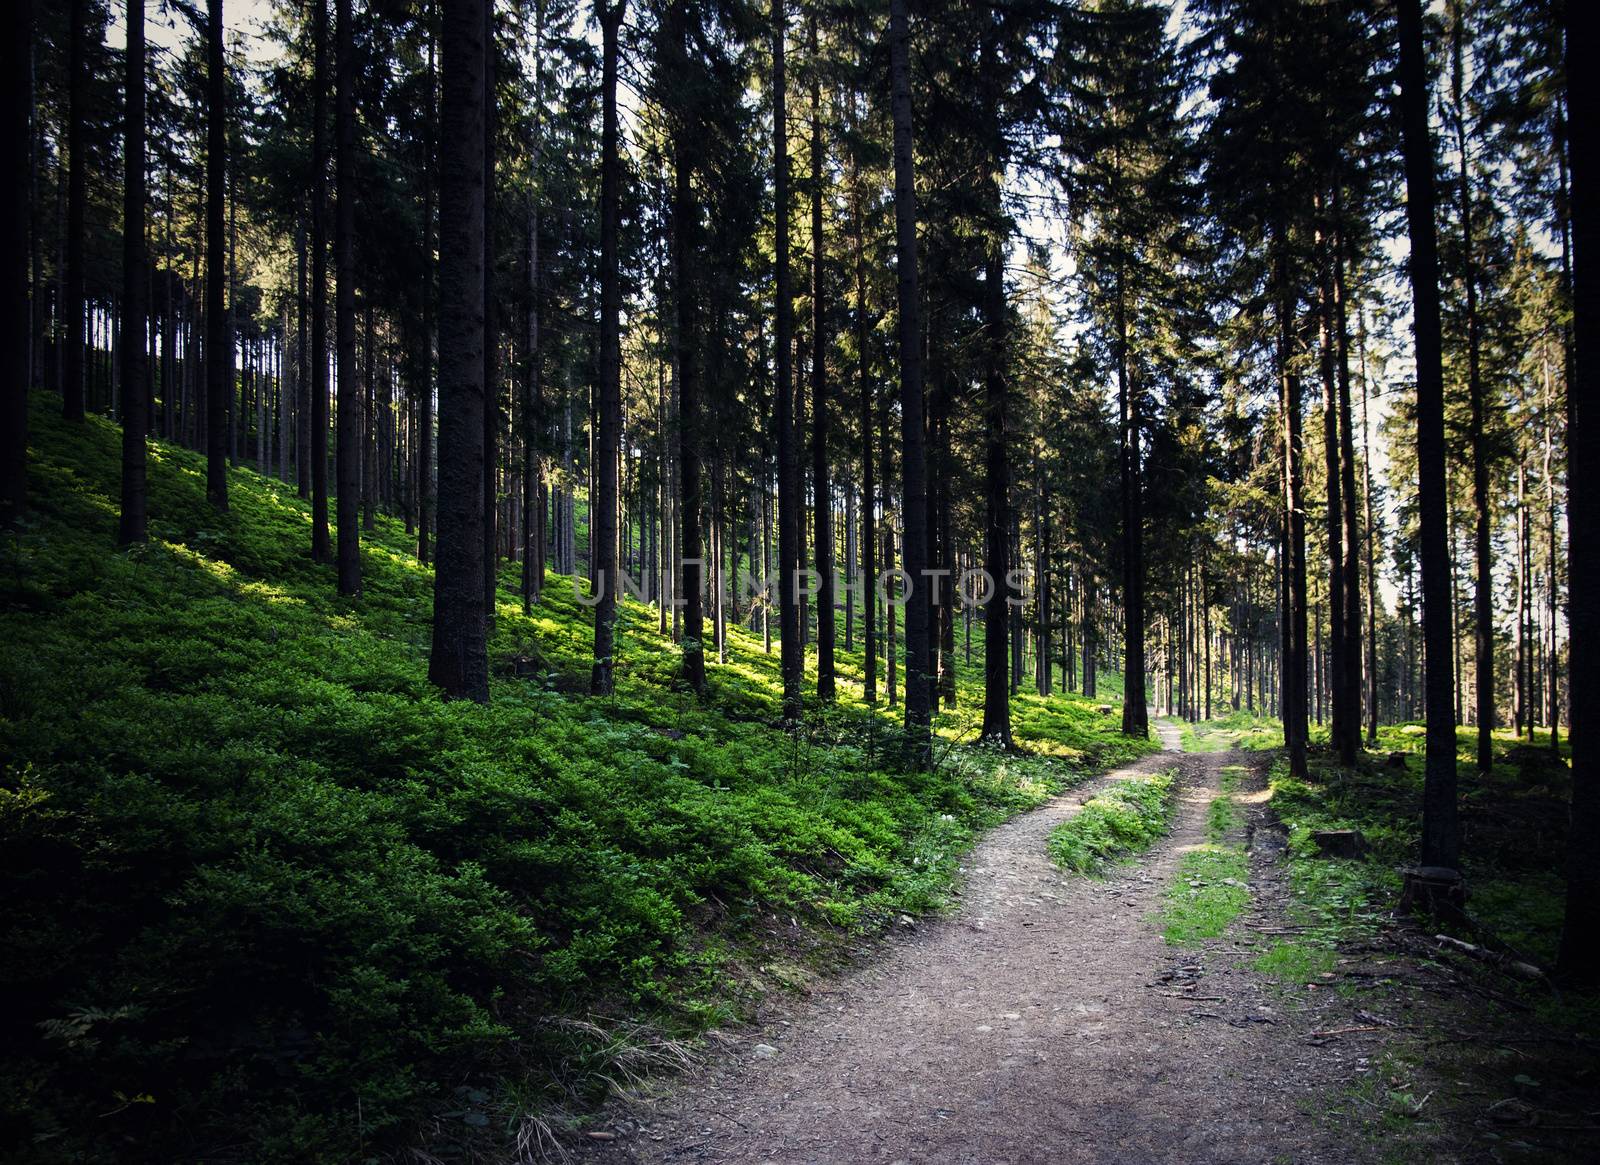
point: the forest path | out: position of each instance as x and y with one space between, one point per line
1044 1021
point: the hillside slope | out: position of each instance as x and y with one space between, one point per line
268 897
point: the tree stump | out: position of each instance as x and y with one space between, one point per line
1436 890
1340 843
1397 760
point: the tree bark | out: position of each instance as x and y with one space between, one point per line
686 244
72 398
135 380
19 312
821 489
1579 959
321 549
608 448
459 660
913 475
791 657
348 422
1441 831
219 344
997 488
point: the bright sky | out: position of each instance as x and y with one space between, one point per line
167 27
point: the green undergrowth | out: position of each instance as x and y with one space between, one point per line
1241 729
267 896
1211 887
1125 819
1208 893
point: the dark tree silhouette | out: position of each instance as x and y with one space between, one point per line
791 658
459 662
608 445
321 548
821 490
72 403
348 423
913 461
1579 958
135 284
219 338
17 62
1441 830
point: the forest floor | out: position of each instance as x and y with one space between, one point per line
1046 1019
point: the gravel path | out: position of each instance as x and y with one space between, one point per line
1046 1021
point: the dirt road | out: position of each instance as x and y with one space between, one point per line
1047 1020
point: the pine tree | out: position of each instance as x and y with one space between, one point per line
1441 831
459 661
347 424
608 446
135 381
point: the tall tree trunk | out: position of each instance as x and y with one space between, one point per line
1441 830
459 661
686 243
997 488
1350 746
608 447
219 344
1294 681
1337 664
1135 714
320 547
821 490
135 286
913 476
1483 588
1579 958
791 657
1371 544
348 423
491 333
425 354
19 313
869 496
71 358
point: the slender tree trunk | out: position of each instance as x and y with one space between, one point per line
1337 664
20 313
1441 831
791 657
459 662
1371 546
1350 745
608 447
71 357
821 489
219 345
348 423
1579 958
1483 598
135 387
491 335
425 341
685 242
914 492
997 487
869 571
321 550
1135 714
1295 677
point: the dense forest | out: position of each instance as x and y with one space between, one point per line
524 520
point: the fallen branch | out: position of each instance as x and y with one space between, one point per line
1343 1031
1493 958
